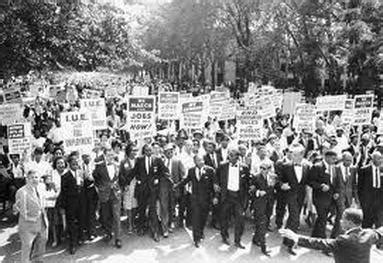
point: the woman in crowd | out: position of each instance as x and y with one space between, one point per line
128 183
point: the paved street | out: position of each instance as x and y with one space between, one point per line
177 248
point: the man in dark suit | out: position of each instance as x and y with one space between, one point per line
148 170
231 181
307 142
70 201
352 247
326 184
106 180
294 176
370 191
213 159
201 177
349 180
261 192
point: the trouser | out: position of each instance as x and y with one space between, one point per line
232 206
200 211
148 200
185 211
261 210
110 211
294 206
319 230
91 199
165 208
280 209
33 244
73 214
372 213
338 206
176 197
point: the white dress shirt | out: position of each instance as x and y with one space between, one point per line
376 177
147 164
233 178
298 172
224 154
111 171
345 172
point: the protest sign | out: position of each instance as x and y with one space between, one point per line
347 116
290 99
12 96
92 94
331 103
192 112
97 109
19 138
304 118
10 113
141 117
78 133
364 106
249 124
228 110
168 105
217 100
140 91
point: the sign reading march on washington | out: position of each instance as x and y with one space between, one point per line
78 132
168 105
141 117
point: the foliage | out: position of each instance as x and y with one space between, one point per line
45 36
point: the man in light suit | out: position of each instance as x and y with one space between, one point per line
170 197
106 180
231 182
349 179
352 247
33 221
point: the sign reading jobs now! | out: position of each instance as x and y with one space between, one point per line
78 134
304 117
19 138
97 109
192 112
168 105
141 117
363 108
249 124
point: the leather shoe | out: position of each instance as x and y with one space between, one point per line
166 234
156 238
108 237
72 250
196 244
256 242
117 243
225 241
265 251
239 245
291 251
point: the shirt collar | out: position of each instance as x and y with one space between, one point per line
357 228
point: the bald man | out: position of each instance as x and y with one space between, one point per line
349 180
370 191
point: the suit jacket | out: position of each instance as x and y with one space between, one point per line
176 170
221 179
208 161
350 186
288 175
70 191
367 194
352 247
107 188
31 209
319 176
202 189
308 144
261 184
146 181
